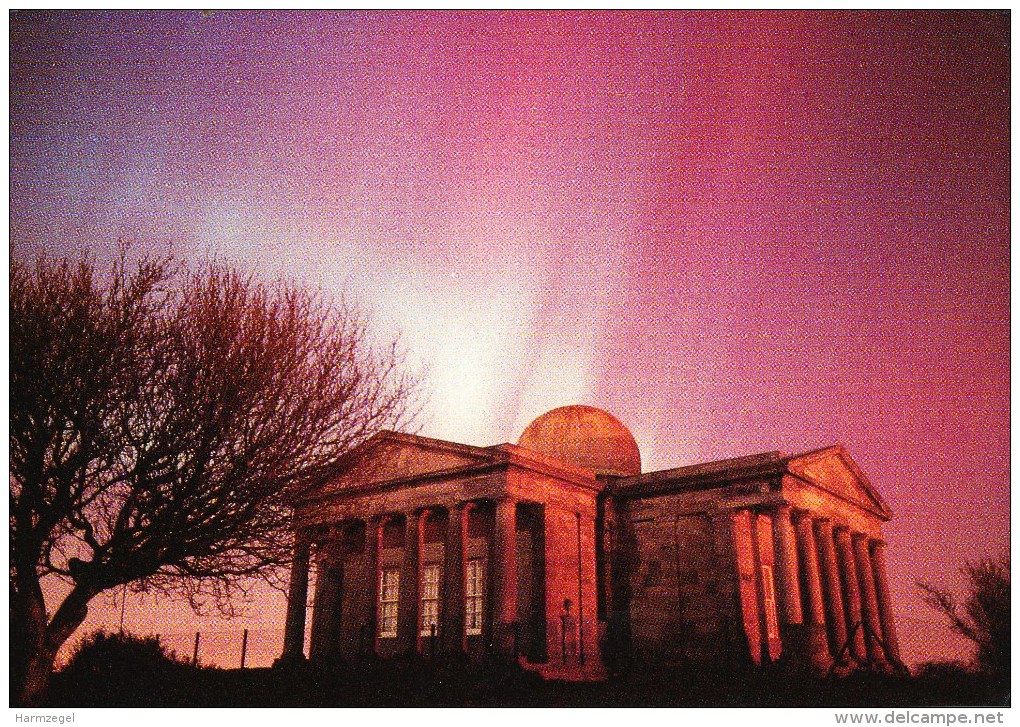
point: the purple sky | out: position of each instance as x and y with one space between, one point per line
737 232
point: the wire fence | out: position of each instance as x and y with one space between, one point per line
226 648
920 640
231 648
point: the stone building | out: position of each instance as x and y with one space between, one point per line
560 553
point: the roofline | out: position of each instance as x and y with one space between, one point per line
844 455
313 492
537 462
688 478
703 476
705 473
491 459
431 442
383 485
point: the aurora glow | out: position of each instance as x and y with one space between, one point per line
737 232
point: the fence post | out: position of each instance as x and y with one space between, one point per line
244 647
563 639
194 656
123 605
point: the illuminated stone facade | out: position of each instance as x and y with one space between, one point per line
557 552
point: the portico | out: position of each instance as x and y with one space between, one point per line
773 553
478 557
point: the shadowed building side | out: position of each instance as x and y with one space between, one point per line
728 564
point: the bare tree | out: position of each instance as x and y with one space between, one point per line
159 421
985 616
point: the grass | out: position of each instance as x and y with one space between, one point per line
123 671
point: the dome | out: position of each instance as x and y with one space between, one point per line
584 436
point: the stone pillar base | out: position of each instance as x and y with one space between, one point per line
878 661
289 661
818 648
805 647
844 663
504 637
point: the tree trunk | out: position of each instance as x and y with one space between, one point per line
28 630
36 680
42 641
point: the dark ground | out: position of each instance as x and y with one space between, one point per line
152 680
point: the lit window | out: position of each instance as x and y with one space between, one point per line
769 592
473 598
430 599
389 599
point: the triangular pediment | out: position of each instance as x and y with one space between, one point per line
394 457
832 469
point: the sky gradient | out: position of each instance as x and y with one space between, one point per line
737 232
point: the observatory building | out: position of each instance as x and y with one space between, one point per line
559 553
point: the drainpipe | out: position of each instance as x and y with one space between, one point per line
580 595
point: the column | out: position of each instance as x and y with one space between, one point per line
373 545
504 574
869 601
452 620
884 602
814 616
812 576
835 616
851 593
768 606
725 562
745 557
410 577
328 601
297 600
785 548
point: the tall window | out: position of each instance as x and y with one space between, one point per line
389 600
473 601
430 599
769 593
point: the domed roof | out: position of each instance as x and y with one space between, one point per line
584 436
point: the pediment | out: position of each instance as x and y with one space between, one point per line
832 469
393 457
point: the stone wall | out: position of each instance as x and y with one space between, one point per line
531 599
357 599
682 582
564 563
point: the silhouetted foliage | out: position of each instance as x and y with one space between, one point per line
105 651
107 668
984 616
123 670
452 681
160 419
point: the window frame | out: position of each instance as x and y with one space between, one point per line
388 603
427 600
768 598
474 596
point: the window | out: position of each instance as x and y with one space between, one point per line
473 596
769 596
430 599
389 599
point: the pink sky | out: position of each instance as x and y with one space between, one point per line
737 232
